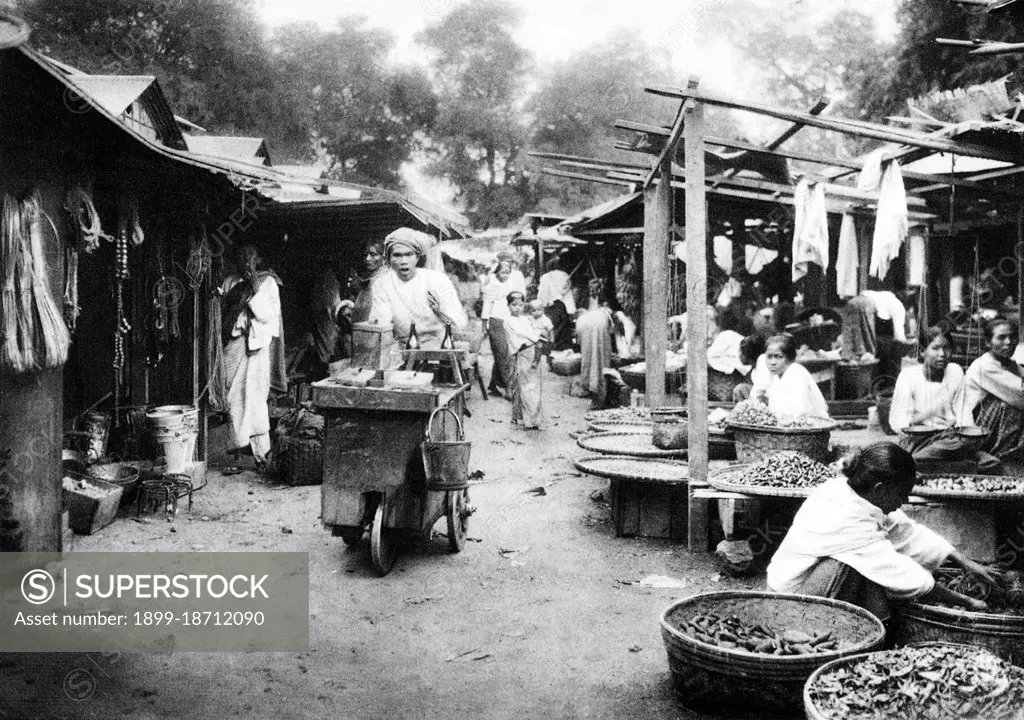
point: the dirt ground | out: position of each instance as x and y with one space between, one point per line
557 628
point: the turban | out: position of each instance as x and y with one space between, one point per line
420 242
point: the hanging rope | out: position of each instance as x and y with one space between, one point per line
79 204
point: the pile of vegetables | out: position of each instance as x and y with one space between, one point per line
937 682
974 483
623 414
733 633
787 469
1005 597
754 413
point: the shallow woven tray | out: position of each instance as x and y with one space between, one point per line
724 479
768 429
634 468
926 492
635 444
614 415
620 426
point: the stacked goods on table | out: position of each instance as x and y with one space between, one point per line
736 634
937 681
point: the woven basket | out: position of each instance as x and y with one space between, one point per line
302 460
757 443
720 385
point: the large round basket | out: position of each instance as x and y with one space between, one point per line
1014 488
620 426
720 680
1002 634
811 709
622 467
728 479
637 445
756 442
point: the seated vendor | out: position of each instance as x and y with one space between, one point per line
924 397
992 393
790 391
752 354
407 295
850 541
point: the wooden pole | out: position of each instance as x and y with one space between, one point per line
696 325
658 216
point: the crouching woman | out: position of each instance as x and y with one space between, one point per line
850 541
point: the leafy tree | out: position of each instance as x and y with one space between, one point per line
801 57
479 135
365 116
577 104
921 66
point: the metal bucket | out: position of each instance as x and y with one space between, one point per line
175 428
445 462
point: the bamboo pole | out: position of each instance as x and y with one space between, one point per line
696 326
856 128
658 216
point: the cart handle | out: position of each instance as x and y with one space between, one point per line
430 423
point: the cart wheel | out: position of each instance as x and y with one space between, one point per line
382 547
458 518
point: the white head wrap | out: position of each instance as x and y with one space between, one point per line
420 242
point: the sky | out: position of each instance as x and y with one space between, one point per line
554 30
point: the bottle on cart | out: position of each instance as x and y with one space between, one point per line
449 342
413 343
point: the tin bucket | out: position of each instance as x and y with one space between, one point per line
175 429
97 427
446 462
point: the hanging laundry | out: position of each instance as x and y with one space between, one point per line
810 232
915 259
848 259
890 220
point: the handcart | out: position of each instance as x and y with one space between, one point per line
396 459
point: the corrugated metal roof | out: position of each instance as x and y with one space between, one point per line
114 92
246 149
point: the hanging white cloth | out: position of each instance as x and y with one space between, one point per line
890 220
848 259
810 233
915 260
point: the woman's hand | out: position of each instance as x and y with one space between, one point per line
990 575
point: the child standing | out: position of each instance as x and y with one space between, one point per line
526 346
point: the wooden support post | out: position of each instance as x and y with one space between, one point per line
697 324
658 216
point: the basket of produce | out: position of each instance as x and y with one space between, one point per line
670 427
1000 628
731 651
853 380
635 444
785 474
91 503
623 414
620 467
933 681
969 487
759 434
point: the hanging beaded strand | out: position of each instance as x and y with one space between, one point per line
123 328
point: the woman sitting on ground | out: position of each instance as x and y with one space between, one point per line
924 397
791 391
992 393
850 541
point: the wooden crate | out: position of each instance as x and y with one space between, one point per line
649 508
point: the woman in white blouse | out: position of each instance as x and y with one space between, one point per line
791 391
502 281
924 397
850 540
